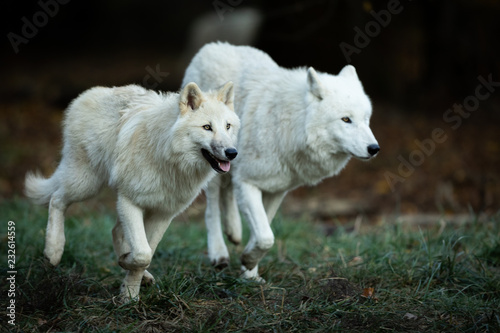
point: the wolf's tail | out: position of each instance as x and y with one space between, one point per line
38 188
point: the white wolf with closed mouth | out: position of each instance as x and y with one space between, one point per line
156 150
297 128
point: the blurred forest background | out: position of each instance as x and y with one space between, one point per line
415 67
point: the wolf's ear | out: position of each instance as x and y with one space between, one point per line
348 71
315 86
226 94
191 98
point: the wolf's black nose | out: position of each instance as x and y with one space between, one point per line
231 153
373 149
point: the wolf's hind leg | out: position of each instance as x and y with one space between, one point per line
54 236
76 182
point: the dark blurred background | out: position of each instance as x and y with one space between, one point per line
416 60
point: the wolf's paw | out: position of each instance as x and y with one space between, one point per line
252 274
148 279
220 263
218 255
128 293
124 299
53 256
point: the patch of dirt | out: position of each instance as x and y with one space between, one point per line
339 288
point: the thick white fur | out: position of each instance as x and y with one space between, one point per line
145 145
292 134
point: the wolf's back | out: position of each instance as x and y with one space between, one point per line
217 63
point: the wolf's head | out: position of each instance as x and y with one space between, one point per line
339 113
210 125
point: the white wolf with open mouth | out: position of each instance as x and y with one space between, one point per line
298 127
156 150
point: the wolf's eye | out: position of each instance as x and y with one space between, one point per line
228 126
207 127
346 120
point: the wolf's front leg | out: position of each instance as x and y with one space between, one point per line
131 285
121 247
231 216
272 202
217 249
261 236
139 254
155 224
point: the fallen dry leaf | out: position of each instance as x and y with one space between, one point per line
369 293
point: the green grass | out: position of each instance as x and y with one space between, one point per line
445 281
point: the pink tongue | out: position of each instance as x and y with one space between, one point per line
224 166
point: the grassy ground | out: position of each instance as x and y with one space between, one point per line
443 279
